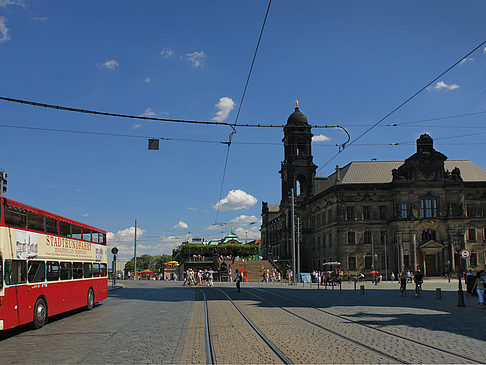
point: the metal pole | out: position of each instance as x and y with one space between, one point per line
1 182
298 248
135 252
386 261
293 236
373 258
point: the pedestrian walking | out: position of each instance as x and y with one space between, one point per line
479 287
403 284
238 280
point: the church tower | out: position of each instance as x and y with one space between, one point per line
297 170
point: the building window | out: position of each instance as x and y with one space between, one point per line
406 261
351 238
473 260
382 212
368 262
428 208
404 210
367 238
351 262
350 213
428 234
366 212
471 234
329 239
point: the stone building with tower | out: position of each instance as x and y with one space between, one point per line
378 215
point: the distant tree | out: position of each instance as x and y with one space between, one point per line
148 262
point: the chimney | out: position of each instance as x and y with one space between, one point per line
338 174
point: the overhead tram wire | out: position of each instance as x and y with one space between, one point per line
403 103
233 126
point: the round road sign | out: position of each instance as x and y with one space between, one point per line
465 254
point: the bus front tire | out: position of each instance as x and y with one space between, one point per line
91 299
40 313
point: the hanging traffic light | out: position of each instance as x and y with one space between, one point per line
153 144
3 182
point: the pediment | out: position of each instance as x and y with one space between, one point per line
432 244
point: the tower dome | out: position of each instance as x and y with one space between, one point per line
296 118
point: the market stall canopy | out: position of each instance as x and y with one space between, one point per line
171 263
146 272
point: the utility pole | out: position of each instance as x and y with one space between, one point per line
292 212
3 182
386 260
299 237
135 252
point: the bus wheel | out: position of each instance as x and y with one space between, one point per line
91 299
40 313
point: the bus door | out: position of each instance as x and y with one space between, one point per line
15 279
2 295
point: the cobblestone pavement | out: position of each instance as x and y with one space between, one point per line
163 322
144 323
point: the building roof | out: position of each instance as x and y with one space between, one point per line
380 172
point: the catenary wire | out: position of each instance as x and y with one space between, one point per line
238 113
403 103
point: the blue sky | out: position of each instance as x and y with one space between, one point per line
347 62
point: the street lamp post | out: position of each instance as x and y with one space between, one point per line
460 293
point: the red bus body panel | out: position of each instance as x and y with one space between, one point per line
18 303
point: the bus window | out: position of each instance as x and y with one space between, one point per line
102 238
86 234
96 270
65 229
77 232
51 226
15 217
103 271
36 272
36 222
52 270
77 270
15 272
87 270
66 270
95 237
1 272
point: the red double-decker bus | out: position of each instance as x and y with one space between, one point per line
48 265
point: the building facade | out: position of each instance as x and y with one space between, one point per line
386 216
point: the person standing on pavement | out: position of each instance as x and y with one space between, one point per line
418 277
238 280
479 287
403 284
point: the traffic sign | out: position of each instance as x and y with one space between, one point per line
465 253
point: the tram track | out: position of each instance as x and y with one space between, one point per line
458 357
210 332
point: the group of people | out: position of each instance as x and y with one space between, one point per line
408 277
270 275
327 277
201 277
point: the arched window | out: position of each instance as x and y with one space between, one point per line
428 234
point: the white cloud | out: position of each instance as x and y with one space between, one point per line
136 126
464 60
181 225
125 235
85 214
147 80
442 85
167 52
252 233
148 113
5 3
484 50
224 106
110 65
245 220
235 200
320 138
197 58
193 209
3 30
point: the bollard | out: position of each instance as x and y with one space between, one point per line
340 287
355 285
361 289
438 293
